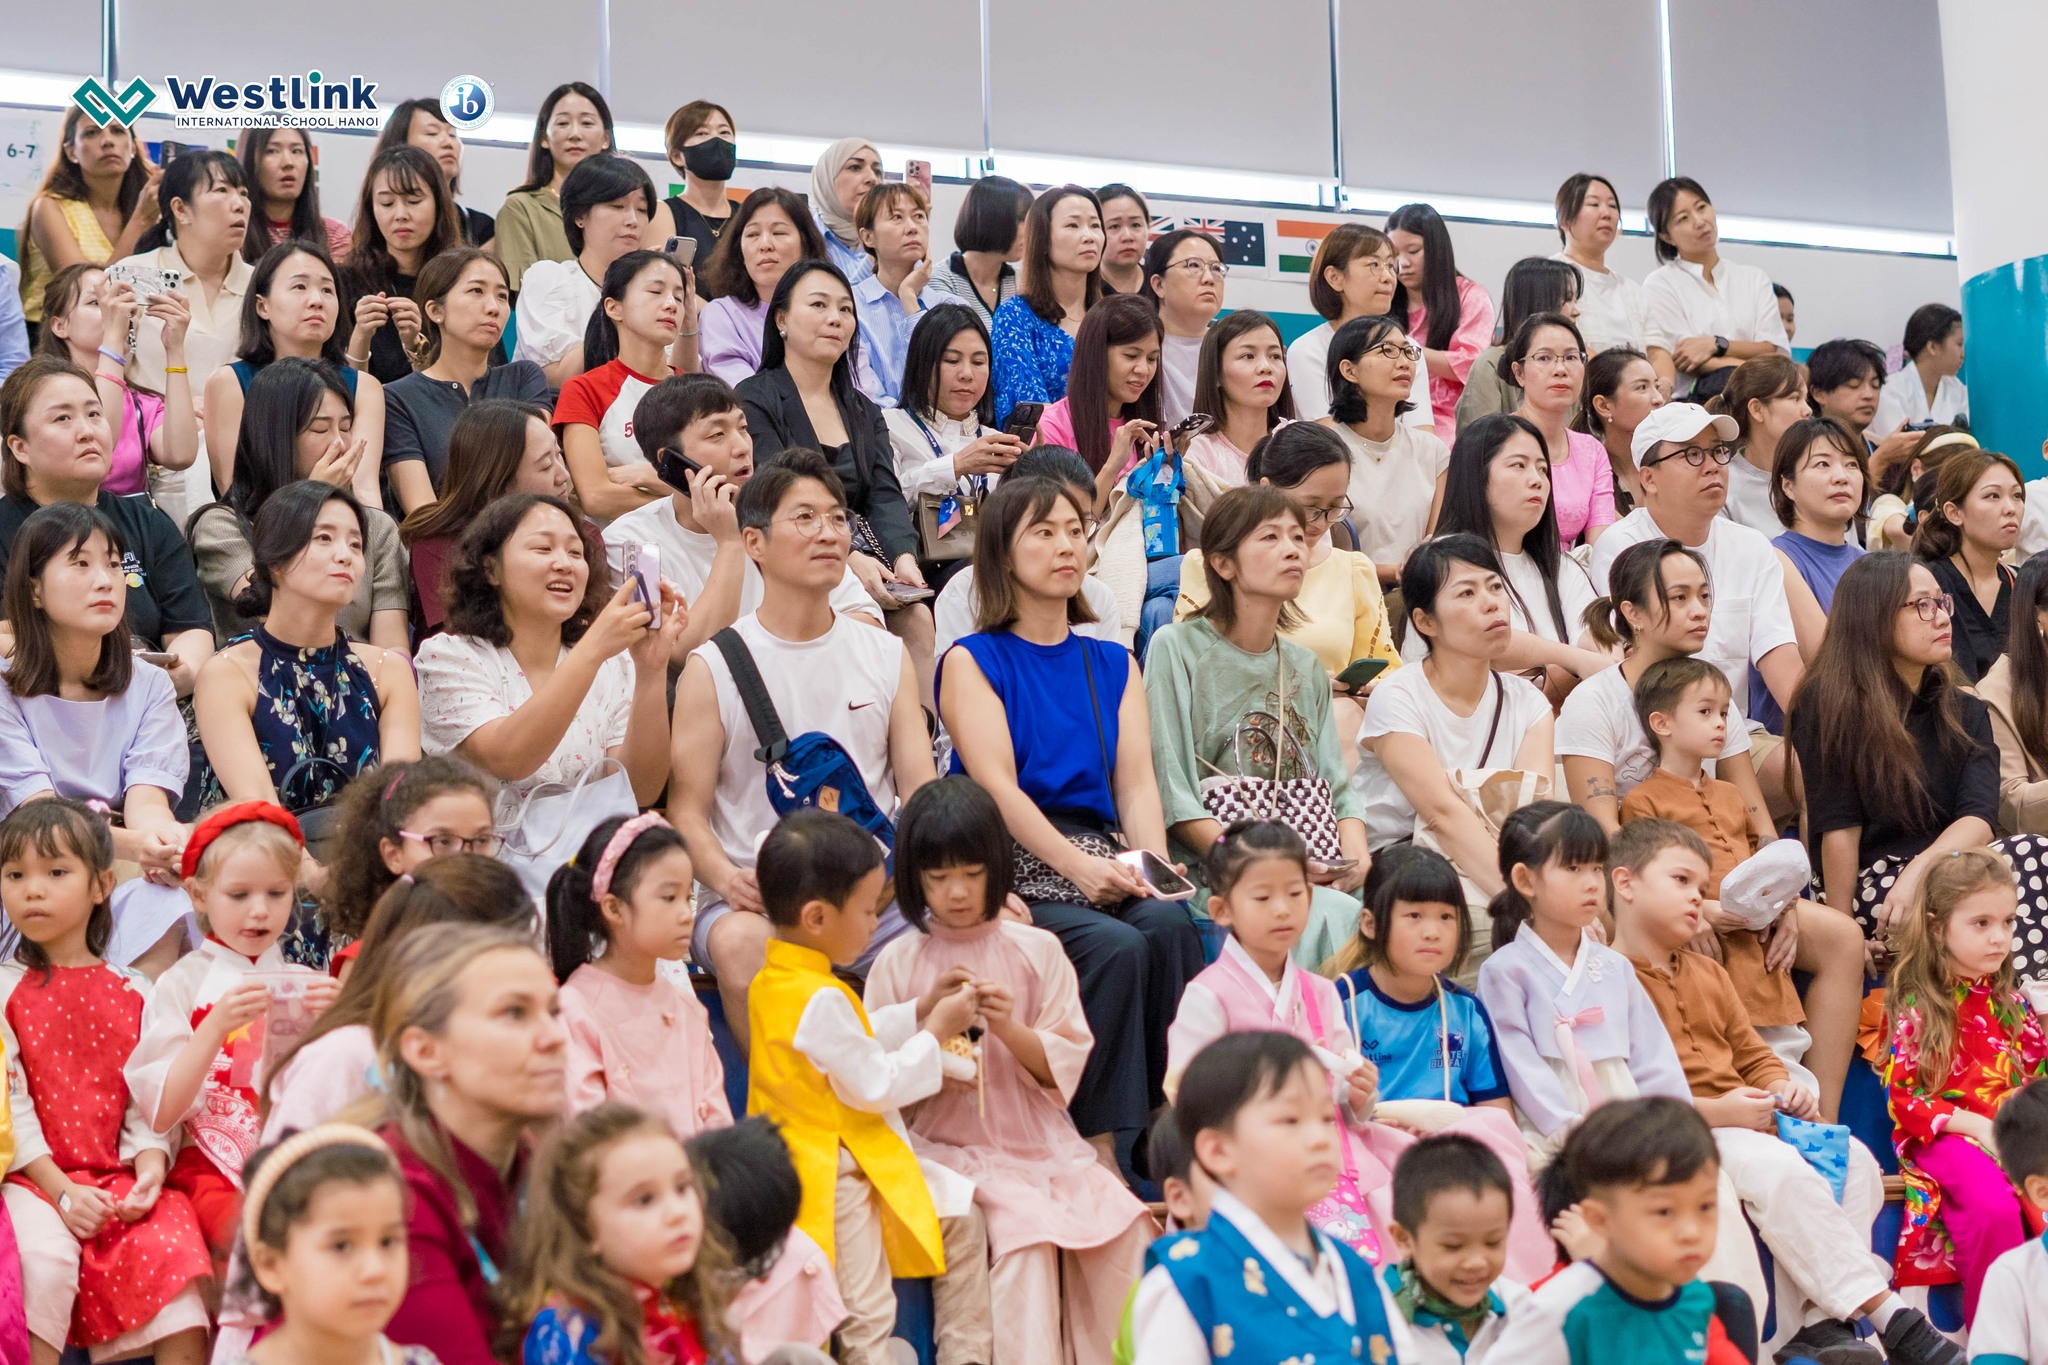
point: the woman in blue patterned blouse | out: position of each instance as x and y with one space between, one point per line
1033 335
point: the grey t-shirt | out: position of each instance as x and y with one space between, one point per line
419 412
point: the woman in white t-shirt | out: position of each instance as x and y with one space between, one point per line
1453 710
1397 470
641 331
1611 308
1352 276
606 203
942 433
1499 489
544 670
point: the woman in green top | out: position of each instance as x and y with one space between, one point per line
1230 698
574 123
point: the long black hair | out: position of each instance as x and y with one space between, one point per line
2029 655
1466 507
1440 299
601 334
283 399
307 224
1537 284
928 342
58 529
256 344
844 392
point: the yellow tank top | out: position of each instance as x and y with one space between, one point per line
36 270
783 1084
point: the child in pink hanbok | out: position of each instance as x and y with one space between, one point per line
1259 889
1067 1238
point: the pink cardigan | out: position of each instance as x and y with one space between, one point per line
1474 334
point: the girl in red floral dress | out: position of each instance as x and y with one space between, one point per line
1963 1039
112 1261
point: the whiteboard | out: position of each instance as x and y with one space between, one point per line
27 141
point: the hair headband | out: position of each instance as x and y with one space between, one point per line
225 819
287 1154
615 849
1951 438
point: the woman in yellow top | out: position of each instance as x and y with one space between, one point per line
96 201
574 123
1343 615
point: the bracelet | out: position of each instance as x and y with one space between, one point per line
115 356
357 361
692 332
176 369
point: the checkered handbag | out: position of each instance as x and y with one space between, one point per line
1303 803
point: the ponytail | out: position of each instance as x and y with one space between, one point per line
576 930
1537 835
601 334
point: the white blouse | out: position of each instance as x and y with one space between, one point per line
466 683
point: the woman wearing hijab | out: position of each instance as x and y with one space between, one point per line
849 168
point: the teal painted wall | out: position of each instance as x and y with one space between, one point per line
2005 331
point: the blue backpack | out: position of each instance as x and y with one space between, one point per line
812 770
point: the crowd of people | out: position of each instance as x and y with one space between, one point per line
574 798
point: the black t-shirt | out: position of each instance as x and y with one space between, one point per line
1980 636
164 596
388 361
691 223
478 227
1960 782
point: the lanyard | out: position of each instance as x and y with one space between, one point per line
978 481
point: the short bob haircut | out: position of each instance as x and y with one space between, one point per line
283 530
1015 505
1161 250
1844 360
1209 396
991 215
1037 291
1348 402
17 395
1663 198
598 179
1929 325
1429 566
881 196
844 391
1345 244
1229 522
474 605
256 344
935 332
762 495
540 162
952 822
55 827
1791 453
1419 876
726 274
686 121
61 528
283 399
485 449
397 132
1571 197
665 411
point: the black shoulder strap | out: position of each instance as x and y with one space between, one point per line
753 695
1500 698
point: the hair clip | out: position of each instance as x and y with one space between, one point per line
393 787
98 807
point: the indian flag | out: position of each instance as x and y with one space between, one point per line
1298 240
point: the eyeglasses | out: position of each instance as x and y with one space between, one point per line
1200 270
1943 604
1563 360
441 845
1378 266
810 525
1324 516
1696 456
1396 350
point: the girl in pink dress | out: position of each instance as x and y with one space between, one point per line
112 1261
1259 889
1067 1237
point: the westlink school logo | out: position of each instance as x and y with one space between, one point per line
106 108
308 101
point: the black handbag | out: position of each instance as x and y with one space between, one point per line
319 816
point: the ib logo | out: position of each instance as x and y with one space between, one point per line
106 108
466 102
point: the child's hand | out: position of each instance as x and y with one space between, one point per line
998 1005
86 1210
951 1016
1746 1107
1580 1242
141 1196
1797 1100
1364 1089
321 993
949 982
243 1005
1975 1127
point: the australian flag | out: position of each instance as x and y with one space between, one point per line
1241 241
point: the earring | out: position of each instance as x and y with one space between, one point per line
782 332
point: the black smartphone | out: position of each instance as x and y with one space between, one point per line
1023 420
168 150
675 468
1189 427
1359 672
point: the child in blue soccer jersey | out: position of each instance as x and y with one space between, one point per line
1650 1176
1259 1284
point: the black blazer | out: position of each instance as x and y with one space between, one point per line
866 463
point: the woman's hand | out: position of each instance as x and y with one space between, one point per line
693 306
174 311
1781 940
992 452
1015 909
1133 441
1105 881
1899 900
405 316
655 648
908 572
1706 943
145 210
338 465
159 851
1347 879
1692 353
118 307
913 285
872 576
621 625
372 312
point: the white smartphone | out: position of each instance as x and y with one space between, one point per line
683 250
1157 874
642 564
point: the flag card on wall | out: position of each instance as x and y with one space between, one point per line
26 145
1298 240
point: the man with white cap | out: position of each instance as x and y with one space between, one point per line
1682 453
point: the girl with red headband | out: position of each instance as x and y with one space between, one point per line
202 1032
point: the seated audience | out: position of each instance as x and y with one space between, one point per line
1184 275
1847 381
464 301
1925 390
284 190
87 319
770 232
700 139
843 175
1534 284
1765 398
574 124
606 202
97 198
945 443
1818 486
1548 362
424 124
1448 311
2015 691
1967 527
297 424
1893 514
291 310
1621 389
1397 468
1126 232
1441 1184
988 240
404 218
1033 333
1242 382
1612 311
1352 276
894 224
1711 314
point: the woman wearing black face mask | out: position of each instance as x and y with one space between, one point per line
699 138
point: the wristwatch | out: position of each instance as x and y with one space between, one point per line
1720 347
